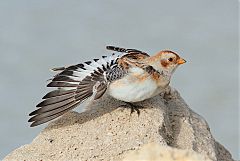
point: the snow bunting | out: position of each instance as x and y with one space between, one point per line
128 75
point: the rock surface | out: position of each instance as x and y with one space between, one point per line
155 152
108 132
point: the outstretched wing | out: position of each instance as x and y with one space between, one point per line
79 82
75 84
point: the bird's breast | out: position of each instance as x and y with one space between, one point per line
134 88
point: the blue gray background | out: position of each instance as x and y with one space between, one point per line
38 35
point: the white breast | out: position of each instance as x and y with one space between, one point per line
131 89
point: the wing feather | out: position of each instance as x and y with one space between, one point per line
100 91
129 51
64 78
62 84
75 84
52 112
58 92
55 100
49 118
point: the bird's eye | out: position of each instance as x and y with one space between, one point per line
170 59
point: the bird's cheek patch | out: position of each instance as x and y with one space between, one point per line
164 63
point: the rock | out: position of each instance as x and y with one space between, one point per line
155 152
108 132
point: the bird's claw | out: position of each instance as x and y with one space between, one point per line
133 108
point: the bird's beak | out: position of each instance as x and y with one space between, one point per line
181 61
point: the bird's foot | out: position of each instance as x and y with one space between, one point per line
133 107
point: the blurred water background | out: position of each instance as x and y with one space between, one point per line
38 35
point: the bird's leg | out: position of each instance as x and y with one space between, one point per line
133 107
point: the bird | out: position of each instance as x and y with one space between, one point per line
128 75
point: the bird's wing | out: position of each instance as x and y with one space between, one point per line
132 57
75 84
128 51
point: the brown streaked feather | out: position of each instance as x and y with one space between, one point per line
156 76
154 73
135 56
122 63
101 89
131 60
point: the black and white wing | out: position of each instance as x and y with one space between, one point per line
128 51
132 57
75 84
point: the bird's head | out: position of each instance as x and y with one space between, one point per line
166 61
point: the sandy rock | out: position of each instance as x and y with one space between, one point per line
108 132
155 152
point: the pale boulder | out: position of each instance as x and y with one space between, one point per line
108 132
